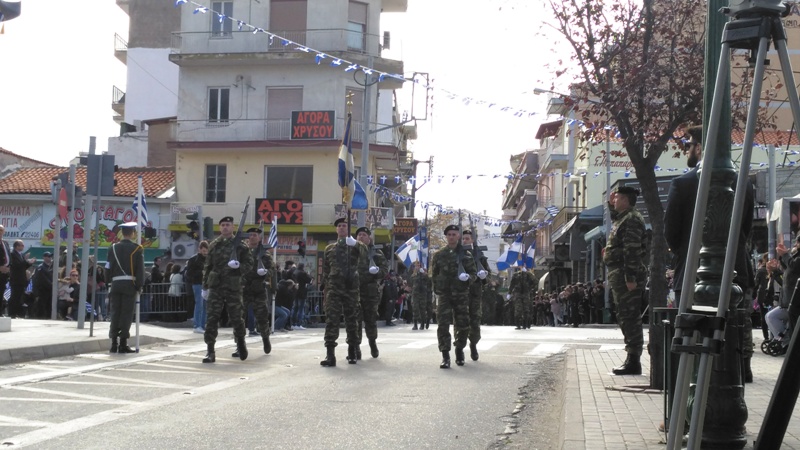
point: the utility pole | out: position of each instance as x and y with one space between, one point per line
414 187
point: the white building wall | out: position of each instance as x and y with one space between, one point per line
152 88
129 150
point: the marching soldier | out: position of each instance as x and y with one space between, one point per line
421 288
369 274
625 257
126 268
254 290
222 286
520 290
475 293
452 271
340 277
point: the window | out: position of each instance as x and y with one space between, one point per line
288 18
280 104
218 104
215 183
357 26
224 28
287 182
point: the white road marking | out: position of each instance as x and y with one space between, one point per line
8 421
545 349
486 345
419 344
296 343
109 400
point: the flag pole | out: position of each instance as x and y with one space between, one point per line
139 205
275 270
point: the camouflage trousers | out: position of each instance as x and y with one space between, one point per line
452 308
629 311
421 308
340 302
475 300
260 310
368 312
488 311
522 309
224 298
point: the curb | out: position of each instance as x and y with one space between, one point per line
27 354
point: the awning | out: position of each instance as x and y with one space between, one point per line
563 231
593 213
595 233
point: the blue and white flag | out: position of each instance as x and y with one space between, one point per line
409 252
552 210
512 255
353 195
273 233
530 262
141 213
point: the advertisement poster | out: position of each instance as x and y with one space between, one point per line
111 216
21 221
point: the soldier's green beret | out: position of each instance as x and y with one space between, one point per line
338 221
469 232
254 230
226 219
363 230
450 227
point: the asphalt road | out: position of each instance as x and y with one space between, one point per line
164 397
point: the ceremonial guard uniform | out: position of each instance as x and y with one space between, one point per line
372 270
126 268
452 271
254 288
227 260
625 257
475 292
340 278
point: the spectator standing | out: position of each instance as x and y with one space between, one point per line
43 287
194 275
302 279
5 269
18 280
176 285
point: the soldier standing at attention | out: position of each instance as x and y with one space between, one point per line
420 296
370 273
452 270
222 286
624 255
340 277
126 268
254 290
519 290
475 293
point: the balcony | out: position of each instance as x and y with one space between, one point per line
555 159
225 48
274 130
120 48
118 100
125 5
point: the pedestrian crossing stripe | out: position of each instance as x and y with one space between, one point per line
486 345
419 344
545 349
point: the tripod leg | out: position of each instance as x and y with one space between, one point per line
788 77
685 367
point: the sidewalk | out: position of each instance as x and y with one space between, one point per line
621 418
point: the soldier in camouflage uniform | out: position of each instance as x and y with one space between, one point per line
625 257
489 306
420 295
522 289
126 272
370 273
340 277
222 286
452 271
475 292
254 289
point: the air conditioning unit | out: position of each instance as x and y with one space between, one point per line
560 252
183 249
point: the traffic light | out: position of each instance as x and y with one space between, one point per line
193 226
301 248
208 228
150 232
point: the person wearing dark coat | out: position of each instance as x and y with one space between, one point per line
18 280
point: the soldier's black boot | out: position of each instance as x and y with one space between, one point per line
373 348
330 360
459 356
113 346
631 366
123 347
473 351
267 344
445 361
210 356
519 326
415 326
358 353
241 348
428 324
351 354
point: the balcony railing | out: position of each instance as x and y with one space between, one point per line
120 48
274 130
313 213
117 95
325 40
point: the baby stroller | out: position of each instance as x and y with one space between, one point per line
779 343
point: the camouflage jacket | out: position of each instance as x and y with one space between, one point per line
421 285
522 283
445 270
373 256
252 282
625 247
216 273
341 263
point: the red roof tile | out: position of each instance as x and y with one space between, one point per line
775 137
36 180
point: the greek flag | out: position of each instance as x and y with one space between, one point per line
512 254
410 251
353 195
552 210
530 255
140 200
273 233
